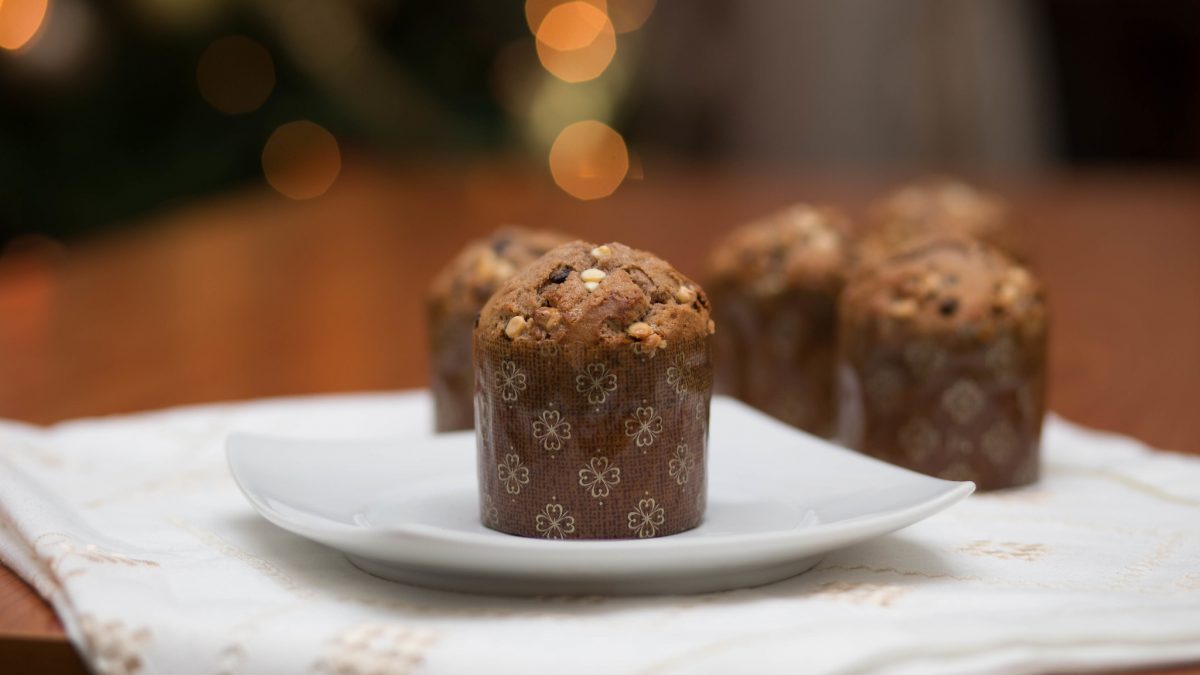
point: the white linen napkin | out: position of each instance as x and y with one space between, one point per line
132 528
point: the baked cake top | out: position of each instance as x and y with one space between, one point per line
470 278
799 246
608 295
932 207
947 284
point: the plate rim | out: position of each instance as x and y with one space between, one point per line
876 524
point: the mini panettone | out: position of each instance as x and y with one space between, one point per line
593 381
774 284
455 298
942 363
931 208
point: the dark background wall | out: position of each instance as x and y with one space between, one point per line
102 121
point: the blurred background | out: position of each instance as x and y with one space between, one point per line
213 199
113 110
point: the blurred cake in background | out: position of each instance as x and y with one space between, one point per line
774 285
930 208
457 294
942 363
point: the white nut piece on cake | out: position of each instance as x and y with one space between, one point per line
639 330
592 277
515 327
686 295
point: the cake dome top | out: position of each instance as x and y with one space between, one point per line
610 294
946 284
931 207
470 278
800 245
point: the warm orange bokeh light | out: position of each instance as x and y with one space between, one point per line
572 26
576 42
235 74
629 15
589 160
536 10
301 160
20 21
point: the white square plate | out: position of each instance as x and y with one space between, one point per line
407 509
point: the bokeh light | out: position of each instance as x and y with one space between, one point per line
20 21
536 10
589 160
235 74
576 41
629 15
301 160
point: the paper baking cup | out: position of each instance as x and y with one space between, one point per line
779 354
451 378
967 413
591 443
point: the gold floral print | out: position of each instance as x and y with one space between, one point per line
646 518
551 429
964 400
999 443
681 465
644 426
512 473
599 476
924 358
554 522
510 381
596 382
677 374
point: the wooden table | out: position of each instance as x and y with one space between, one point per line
249 294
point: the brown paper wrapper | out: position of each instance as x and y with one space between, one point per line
779 354
590 442
966 412
451 377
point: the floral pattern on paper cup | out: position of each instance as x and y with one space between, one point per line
591 442
953 415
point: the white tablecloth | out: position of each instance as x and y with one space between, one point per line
132 528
